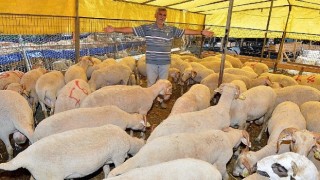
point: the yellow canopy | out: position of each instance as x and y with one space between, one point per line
249 17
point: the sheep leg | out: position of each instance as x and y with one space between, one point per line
223 170
106 170
131 132
44 109
52 108
264 128
118 160
6 141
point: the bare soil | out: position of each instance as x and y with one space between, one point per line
155 116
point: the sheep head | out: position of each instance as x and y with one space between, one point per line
187 74
245 164
301 141
165 88
229 88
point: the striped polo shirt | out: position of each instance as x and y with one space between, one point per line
158 41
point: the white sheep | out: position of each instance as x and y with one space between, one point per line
88 117
213 117
71 95
256 176
311 112
213 146
132 64
61 65
15 115
237 71
28 81
47 87
200 71
184 67
258 103
211 81
215 65
287 166
95 65
17 87
110 75
236 63
195 99
79 70
132 99
9 77
257 67
241 84
180 169
298 94
285 115
75 153
283 80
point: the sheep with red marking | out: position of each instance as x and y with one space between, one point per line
9 77
71 95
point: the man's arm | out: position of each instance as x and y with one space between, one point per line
194 32
110 29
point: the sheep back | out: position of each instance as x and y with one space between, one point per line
71 95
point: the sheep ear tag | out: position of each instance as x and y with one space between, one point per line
144 124
242 97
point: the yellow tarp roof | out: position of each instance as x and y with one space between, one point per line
249 17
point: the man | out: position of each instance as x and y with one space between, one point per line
159 38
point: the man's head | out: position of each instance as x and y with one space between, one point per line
161 15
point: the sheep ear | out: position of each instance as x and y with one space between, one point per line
144 124
285 135
246 138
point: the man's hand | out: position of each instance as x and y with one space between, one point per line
207 33
108 29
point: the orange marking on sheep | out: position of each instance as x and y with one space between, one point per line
298 78
82 89
4 75
70 96
311 79
253 64
71 92
19 74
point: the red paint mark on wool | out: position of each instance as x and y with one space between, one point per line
71 93
311 79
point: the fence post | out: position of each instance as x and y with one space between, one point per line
77 33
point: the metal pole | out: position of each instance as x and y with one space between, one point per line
202 41
201 46
225 42
77 33
267 29
26 59
282 40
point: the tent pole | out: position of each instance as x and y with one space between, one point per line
225 42
77 33
279 57
267 29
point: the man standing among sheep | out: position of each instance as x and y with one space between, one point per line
159 38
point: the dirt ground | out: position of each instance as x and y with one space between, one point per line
155 116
